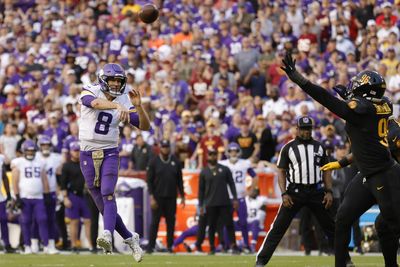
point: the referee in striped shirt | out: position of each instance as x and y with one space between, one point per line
299 164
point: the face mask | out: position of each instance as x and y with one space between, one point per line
46 152
339 38
30 157
233 159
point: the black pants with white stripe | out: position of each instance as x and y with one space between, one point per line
302 196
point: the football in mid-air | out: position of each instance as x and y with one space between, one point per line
149 13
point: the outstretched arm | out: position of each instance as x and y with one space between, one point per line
136 100
335 105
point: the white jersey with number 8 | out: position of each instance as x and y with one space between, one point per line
30 177
98 129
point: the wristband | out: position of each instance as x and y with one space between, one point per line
8 196
344 162
17 196
284 193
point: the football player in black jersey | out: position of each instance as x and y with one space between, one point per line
349 213
366 113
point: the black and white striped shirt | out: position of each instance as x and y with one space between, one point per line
303 160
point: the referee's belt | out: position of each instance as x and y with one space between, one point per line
306 186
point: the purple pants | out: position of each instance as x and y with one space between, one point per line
192 231
254 227
3 223
51 219
34 209
79 207
241 224
103 196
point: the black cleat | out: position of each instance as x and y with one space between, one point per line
9 250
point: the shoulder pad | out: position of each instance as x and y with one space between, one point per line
359 105
91 88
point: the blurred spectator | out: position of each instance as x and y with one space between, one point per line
266 139
256 79
246 58
387 10
275 103
363 13
210 139
247 141
30 133
141 154
8 144
393 90
223 72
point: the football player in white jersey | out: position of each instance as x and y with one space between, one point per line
31 189
104 107
53 168
5 201
240 168
256 214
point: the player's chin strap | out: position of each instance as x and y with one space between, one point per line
97 157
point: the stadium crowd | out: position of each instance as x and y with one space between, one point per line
208 71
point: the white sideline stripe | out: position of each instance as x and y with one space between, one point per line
266 236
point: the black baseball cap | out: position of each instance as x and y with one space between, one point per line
165 143
305 122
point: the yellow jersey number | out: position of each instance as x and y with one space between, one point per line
382 131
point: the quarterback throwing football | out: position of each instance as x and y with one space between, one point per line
103 107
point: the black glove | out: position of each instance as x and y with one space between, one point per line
289 66
342 91
19 204
47 199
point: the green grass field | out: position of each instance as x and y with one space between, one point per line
174 260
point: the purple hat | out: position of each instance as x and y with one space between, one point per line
241 89
80 44
44 140
74 146
199 124
28 145
233 146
